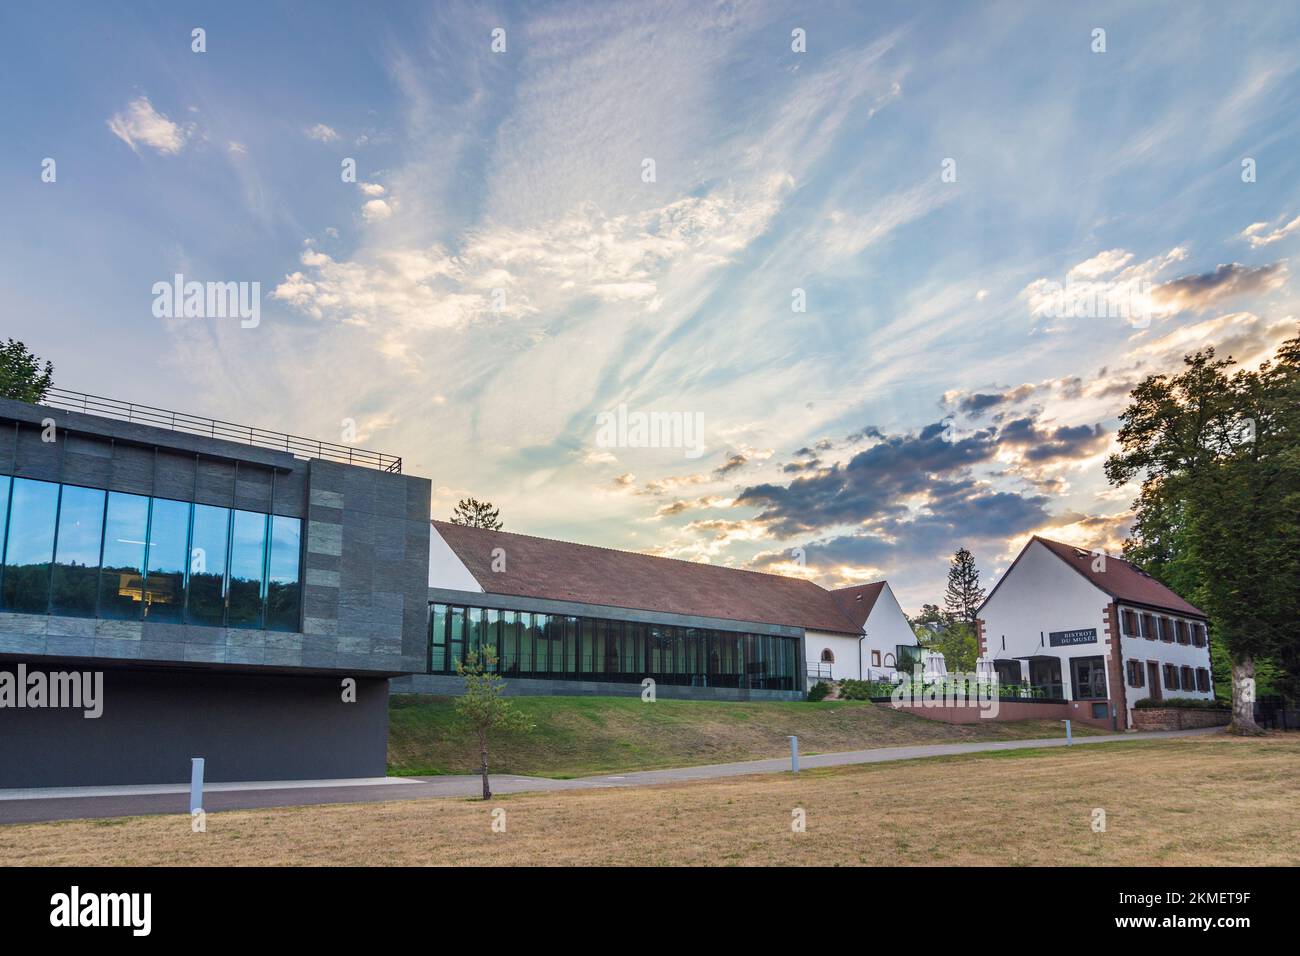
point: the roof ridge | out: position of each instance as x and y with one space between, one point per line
642 554
1110 557
1106 587
864 584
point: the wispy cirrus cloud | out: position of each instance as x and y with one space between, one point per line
142 125
1265 234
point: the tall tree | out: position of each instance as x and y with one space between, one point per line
1218 513
964 596
21 376
477 514
481 707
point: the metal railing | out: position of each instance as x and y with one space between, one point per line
820 670
214 428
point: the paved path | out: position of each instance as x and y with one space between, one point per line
31 806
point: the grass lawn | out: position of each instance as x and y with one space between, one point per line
576 736
1187 801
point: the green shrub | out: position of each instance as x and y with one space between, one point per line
1188 703
864 689
819 691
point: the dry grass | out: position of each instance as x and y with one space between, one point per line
1190 801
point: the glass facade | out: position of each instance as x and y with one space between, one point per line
84 552
552 646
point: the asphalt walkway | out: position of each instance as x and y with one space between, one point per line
68 803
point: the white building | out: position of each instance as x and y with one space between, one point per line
870 654
1084 626
570 618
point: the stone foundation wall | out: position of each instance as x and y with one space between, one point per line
1178 718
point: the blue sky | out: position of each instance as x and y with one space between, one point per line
501 273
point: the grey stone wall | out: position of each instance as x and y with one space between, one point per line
365 551
366 569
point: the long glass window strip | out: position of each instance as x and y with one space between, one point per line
547 646
86 552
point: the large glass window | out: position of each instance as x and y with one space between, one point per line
247 569
1088 674
456 644
76 552
492 635
283 588
474 624
168 553
5 482
121 579
552 638
570 645
209 544
541 647
546 646
438 662
509 643
30 545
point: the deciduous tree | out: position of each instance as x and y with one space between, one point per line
481 707
1218 455
22 377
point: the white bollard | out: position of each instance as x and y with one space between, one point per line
1069 737
794 754
196 784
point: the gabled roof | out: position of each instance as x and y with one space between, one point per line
856 602
1122 580
564 571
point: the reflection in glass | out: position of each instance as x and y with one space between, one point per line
542 646
247 565
30 546
456 647
76 560
509 643
474 623
5 482
206 603
164 581
283 589
438 639
492 635
121 582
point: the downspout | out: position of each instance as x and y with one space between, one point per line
860 640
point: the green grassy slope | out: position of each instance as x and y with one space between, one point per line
585 735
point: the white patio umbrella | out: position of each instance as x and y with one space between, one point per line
934 666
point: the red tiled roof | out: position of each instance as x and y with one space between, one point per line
563 571
856 602
1121 580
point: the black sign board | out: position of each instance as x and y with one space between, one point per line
1086 635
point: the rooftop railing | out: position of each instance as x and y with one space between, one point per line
214 428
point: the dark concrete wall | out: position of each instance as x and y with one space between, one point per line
247 727
445 685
